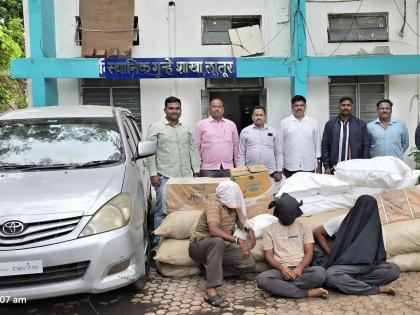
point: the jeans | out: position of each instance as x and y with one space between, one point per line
160 211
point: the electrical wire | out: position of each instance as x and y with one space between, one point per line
349 29
309 34
402 15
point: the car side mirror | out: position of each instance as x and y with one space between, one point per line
146 148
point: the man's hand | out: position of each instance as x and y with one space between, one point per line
327 171
297 272
243 245
251 238
286 273
155 181
278 176
196 175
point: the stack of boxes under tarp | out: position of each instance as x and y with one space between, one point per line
186 198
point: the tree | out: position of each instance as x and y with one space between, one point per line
12 45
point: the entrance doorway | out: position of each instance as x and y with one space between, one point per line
238 105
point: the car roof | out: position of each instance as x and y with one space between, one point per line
62 111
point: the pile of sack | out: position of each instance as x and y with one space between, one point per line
186 198
388 179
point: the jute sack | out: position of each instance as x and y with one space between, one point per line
320 218
402 237
407 262
262 266
169 270
179 224
174 252
258 251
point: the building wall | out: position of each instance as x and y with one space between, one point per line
156 37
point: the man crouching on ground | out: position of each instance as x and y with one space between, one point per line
288 248
212 242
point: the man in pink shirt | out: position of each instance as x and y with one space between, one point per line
217 142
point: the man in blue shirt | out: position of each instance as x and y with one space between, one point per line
389 136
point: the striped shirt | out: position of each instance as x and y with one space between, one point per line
215 213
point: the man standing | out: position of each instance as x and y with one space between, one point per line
216 139
300 141
388 136
176 155
259 144
345 137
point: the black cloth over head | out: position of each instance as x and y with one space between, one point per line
359 239
287 209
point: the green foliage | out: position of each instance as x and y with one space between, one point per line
10 9
416 155
12 45
9 49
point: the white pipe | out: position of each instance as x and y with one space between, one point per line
172 41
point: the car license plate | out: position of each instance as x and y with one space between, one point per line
20 267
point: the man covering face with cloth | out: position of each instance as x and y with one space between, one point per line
213 245
288 248
355 262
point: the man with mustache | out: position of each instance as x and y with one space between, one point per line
345 137
176 155
217 141
300 141
389 136
259 144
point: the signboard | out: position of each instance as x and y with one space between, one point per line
156 68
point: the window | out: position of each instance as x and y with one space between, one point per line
361 27
79 31
364 90
118 93
215 28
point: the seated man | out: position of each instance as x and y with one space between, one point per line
288 248
212 242
356 260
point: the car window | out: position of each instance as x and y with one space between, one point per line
48 142
134 129
130 138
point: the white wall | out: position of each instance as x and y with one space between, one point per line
154 42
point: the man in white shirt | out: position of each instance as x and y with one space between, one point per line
300 141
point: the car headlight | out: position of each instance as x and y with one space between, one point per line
115 214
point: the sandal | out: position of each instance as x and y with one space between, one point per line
217 301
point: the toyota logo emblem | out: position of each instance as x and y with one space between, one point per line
12 228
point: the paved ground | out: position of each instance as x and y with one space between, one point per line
172 296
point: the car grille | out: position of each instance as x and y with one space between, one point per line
52 274
40 231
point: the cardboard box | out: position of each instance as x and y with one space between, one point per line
399 205
107 26
254 180
191 193
259 205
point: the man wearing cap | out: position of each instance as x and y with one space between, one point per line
288 249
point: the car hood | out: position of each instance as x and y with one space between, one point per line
58 193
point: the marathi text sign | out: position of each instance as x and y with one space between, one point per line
153 68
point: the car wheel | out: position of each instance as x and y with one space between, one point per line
140 283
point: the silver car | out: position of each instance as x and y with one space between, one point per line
74 197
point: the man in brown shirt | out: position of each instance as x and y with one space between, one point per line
213 245
288 249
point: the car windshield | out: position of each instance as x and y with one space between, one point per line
63 142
